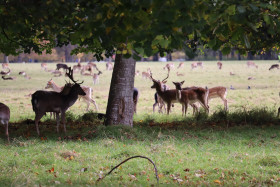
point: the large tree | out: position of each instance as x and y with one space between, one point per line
134 29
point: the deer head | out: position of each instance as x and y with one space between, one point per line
178 85
76 86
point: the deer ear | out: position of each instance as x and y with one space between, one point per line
182 82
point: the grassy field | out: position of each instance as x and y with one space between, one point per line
240 148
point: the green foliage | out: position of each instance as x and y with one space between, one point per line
146 27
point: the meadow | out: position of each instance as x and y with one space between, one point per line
241 148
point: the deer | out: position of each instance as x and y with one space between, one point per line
169 66
220 65
200 64
109 66
86 98
181 65
5 118
189 96
27 77
43 66
251 64
58 102
145 75
232 74
274 66
5 65
194 65
77 67
158 100
22 73
95 77
5 72
63 66
135 98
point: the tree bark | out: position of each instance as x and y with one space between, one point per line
120 107
155 57
169 57
6 59
220 55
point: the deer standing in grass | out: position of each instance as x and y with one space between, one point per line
181 65
5 65
50 101
5 118
86 98
274 66
190 96
251 64
220 65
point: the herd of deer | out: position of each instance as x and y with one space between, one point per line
61 98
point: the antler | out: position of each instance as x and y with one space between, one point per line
167 74
70 75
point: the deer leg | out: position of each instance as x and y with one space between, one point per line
63 121
7 132
57 121
154 106
186 109
37 119
225 103
278 112
183 109
168 108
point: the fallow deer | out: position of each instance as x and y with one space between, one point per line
274 66
232 74
169 66
77 67
27 77
5 65
200 64
5 118
146 75
43 66
194 65
22 73
191 96
95 77
5 72
179 74
181 65
86 98
251 64
220 65
50 101
63 66
109 66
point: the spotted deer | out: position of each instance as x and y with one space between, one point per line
58 102
251 64
181 65
220 65
95 77
190 96
5 118
5 65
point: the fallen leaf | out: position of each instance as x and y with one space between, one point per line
217 181
51 170
187 170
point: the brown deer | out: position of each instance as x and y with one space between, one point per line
190 96
200 64
9 78
86 98
43 66
179 74
5 118
274 66
63 66
218 92
169 66
181 65
251 64
95 77
5 65
232 74
146 75
220 65
50 101
194 65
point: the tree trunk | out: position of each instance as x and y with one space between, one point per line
120 107
155 57
250 56
220 55
239 56
6 59
169 57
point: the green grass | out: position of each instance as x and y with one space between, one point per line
238 148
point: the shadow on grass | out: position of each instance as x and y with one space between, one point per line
89 127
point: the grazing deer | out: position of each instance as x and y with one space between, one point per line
77 67
200 64
137 73
50 101
86 98
6 72
109 66
27 77
194 65
168 66
57 73
179 74
8 78
95 77
181 65
43 66
22 73
190 96
251 64
145 75
158 100
63 66
218 92
274 66
231 73
220 65
5 118
135 98
5 65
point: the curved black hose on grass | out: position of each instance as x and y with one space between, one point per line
128 160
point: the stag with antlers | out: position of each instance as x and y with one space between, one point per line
50 101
